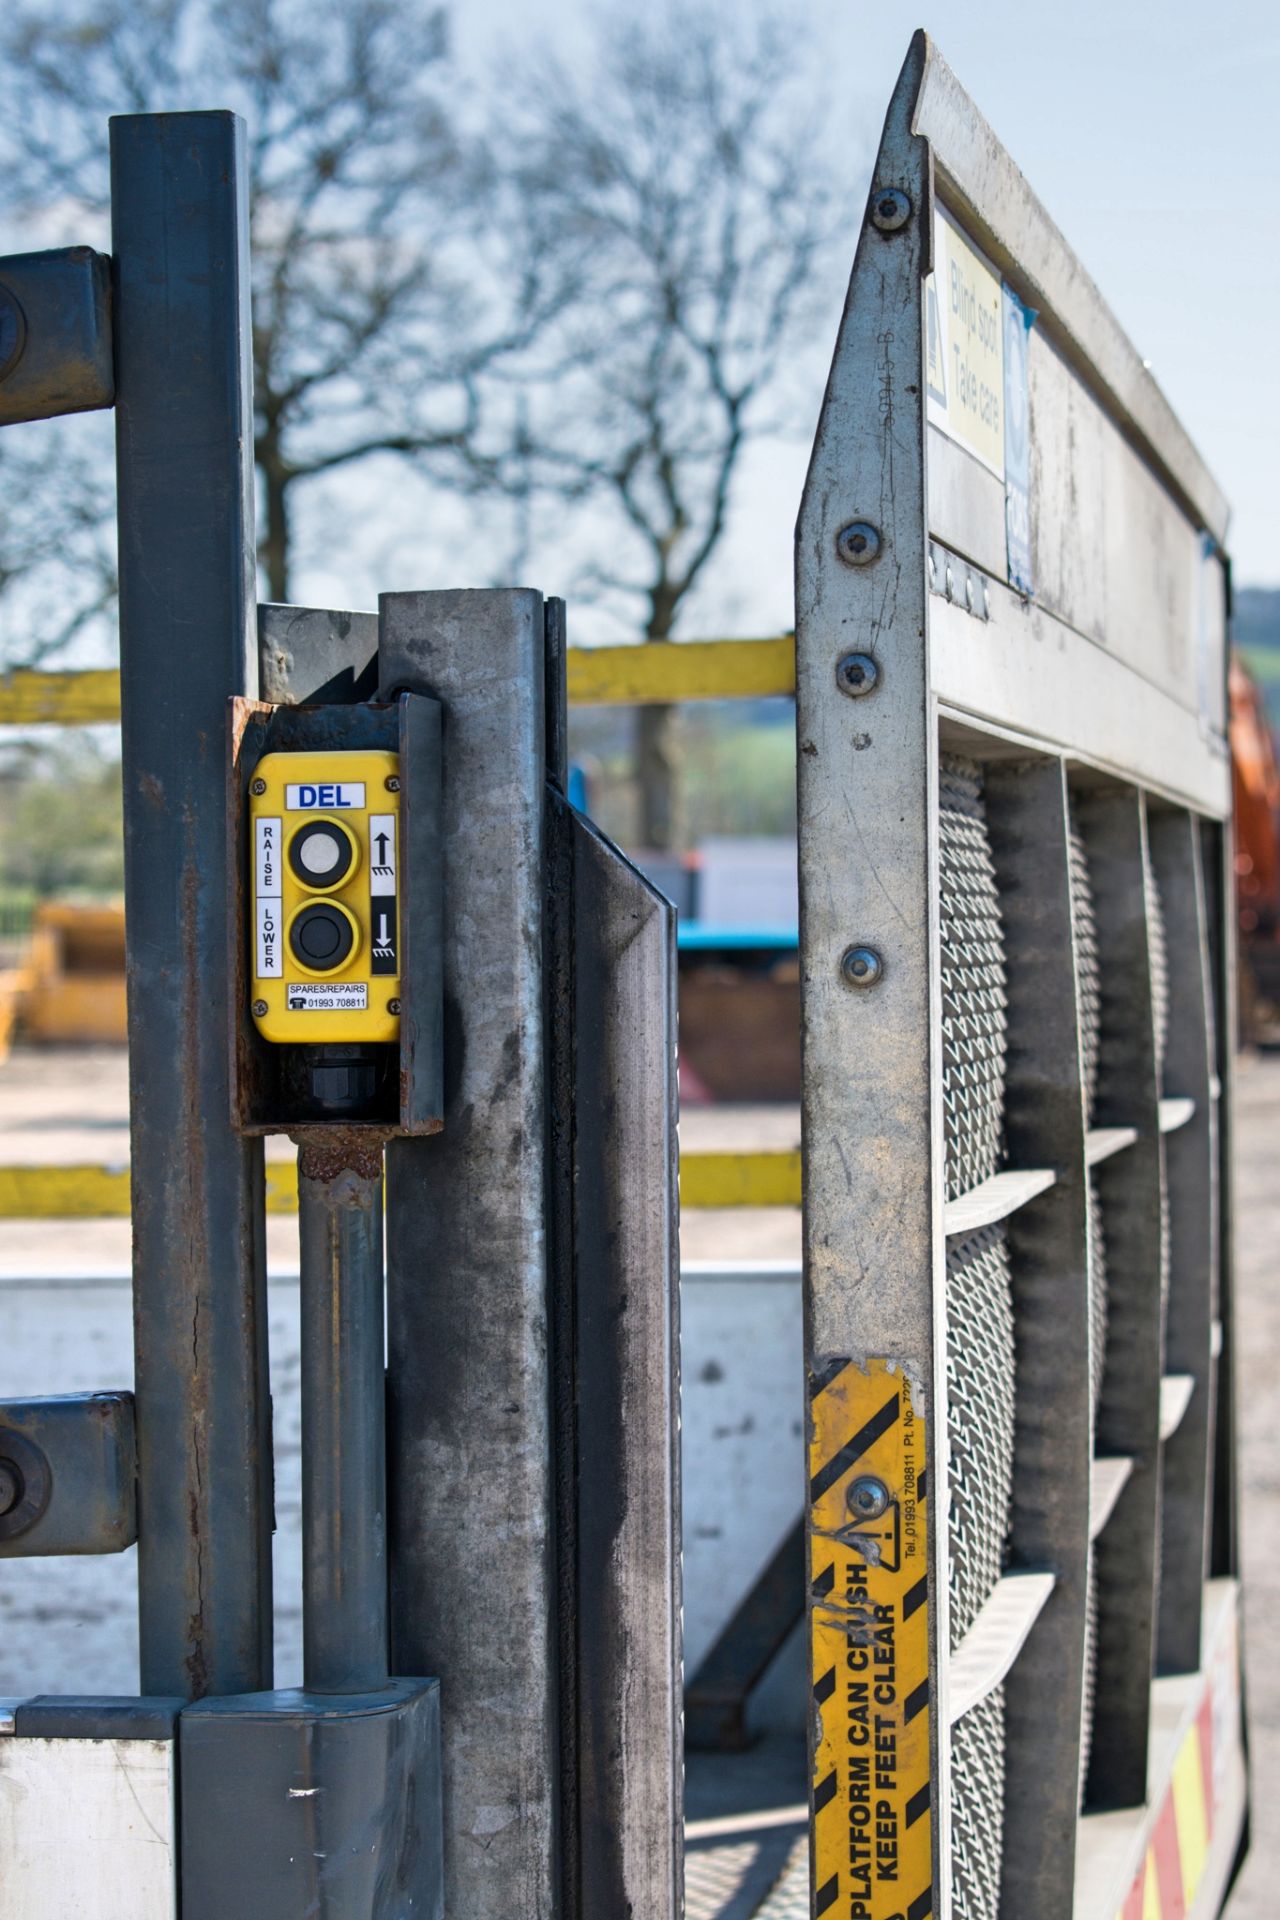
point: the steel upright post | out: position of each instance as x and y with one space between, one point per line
184 426
344 1532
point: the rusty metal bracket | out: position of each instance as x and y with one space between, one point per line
55 334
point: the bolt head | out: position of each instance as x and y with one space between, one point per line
861 967
393 783
867 1497
11 1485
890 209
13 332
258 787
856 674
393 1006
260 1009
858 544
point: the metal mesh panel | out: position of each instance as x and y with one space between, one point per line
1089 998
980 1353
1090 1671
980 1388
1097 1297
977 1809
973 980
1158 948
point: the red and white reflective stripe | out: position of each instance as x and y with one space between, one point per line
1170 1876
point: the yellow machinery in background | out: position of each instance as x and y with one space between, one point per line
70 987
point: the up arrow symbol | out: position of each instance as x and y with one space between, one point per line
381 840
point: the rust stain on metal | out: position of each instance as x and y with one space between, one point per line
326 1152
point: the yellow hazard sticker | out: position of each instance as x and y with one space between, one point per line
871 1824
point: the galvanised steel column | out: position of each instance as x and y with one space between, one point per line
184 439
344 1529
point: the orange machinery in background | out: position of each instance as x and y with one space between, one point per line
1257 808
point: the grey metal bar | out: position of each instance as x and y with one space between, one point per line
626 1613
470 1480
421 909
1028 824
1112 823
344 1533
1219 871
184 440
872 1123
316 656
1191 1187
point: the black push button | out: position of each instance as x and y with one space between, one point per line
322 853
321 938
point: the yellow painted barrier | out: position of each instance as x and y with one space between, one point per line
88 1192
657 671
30 698
650 672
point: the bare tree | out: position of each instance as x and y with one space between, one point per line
682 188
375 306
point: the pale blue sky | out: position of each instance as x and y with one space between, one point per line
1153 137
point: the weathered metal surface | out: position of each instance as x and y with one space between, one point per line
1044 1126
300 1802
344 1531
872 1128
1021 672
421 916
184 424
55 334
316 656
1016 231
86 1442
616 1313
1112 823
470 1489
1191 1186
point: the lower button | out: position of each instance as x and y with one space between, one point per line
321 938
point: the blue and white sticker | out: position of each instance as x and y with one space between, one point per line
1018 322
324 796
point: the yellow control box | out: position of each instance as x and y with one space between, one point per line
324 938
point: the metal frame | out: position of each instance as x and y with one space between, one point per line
901 555
184 445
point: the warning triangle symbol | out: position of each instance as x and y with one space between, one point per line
935 347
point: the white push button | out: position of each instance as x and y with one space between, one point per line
319 853
322 853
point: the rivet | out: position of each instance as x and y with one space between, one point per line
890 209
858 544
861 967
867 1497
856 674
